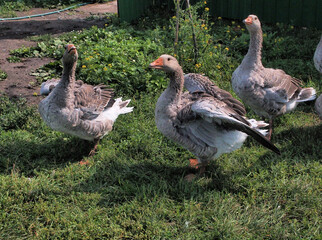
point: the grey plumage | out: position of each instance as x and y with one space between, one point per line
317 58
204 124
318 106
195 82
79 109
269 92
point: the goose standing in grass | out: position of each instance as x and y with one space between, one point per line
269 92
82 110
318 65
205 125
317 59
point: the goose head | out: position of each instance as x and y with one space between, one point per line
252 23
166 63
70 56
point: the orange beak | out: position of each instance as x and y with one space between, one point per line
157 64
248 21
71 48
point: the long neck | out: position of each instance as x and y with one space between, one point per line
175 85
253 57
65 89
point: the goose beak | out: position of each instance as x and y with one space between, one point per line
157 64
248 21
71 48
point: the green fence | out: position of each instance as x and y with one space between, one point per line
129 10
297 12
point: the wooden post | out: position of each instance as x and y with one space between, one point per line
177 27
193 33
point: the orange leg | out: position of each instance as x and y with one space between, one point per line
93 151
196 165
270 131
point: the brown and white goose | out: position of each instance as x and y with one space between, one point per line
205 125
82 110
269 92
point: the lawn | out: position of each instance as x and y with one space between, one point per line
134 187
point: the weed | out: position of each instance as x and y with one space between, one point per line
3 75
14 59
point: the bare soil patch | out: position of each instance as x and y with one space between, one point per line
13 34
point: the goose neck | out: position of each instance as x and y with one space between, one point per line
254 54
176 83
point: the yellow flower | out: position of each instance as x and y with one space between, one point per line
238 26
87 59
243 29
215 46
227 49
219 18
292 27
203 25
206 28
106 24
232 22
174 55
205 2
218 66
174 17
105 68
35 94
228 31
206 9
110 65
198 65
83 66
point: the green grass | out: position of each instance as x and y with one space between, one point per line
3 75
134 187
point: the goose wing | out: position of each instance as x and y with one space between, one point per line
196 82
280 86
92 100
205 110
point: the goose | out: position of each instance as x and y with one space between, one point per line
205 125
81 110
269 92
318 106
317 59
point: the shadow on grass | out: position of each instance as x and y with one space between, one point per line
29 155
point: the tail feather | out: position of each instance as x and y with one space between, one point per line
306 94
122 106
119 107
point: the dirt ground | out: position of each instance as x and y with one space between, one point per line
14 32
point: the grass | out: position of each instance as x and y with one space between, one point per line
3 75
133 188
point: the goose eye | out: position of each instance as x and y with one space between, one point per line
255 18
169 59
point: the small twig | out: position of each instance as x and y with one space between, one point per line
193 32
177 27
